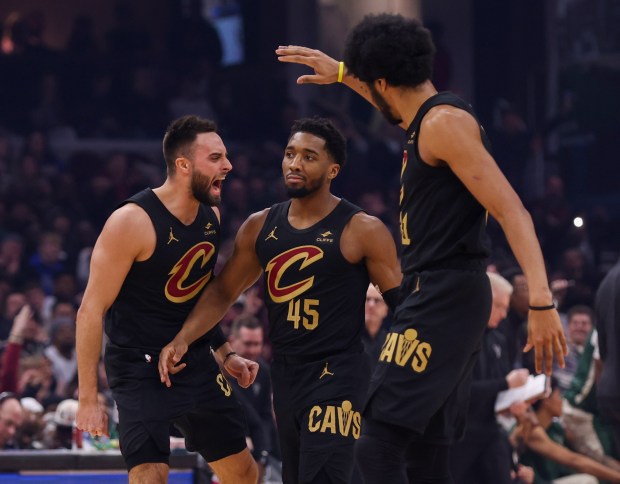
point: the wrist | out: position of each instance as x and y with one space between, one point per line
229 355
15 338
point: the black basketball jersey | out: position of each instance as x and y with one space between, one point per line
314 296
159 293
441 223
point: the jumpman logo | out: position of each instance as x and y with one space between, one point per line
272 234
171 237
326 371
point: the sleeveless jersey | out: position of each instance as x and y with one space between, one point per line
442 224
159 293
314 296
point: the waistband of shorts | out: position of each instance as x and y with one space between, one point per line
452 264
302 359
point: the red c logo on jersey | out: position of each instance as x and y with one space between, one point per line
277 266
175 290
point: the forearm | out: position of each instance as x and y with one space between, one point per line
519 231
590 466
221 352
89 334
208 311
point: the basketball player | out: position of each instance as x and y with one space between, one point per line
153 258
449 181
318 253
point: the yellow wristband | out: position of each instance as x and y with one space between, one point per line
340 71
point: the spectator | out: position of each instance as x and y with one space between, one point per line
484 454
542 439
376 310
11 415
246 339
579 326
62 355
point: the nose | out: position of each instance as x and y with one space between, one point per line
294 163
227 164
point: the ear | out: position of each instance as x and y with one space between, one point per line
380 84
182 164
334 169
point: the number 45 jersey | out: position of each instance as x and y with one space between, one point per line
314 296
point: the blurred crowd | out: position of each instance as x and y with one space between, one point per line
53 206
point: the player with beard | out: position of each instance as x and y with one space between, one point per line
318 253
153 258
449 184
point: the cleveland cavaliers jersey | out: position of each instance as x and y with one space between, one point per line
159 293
441 223
314 296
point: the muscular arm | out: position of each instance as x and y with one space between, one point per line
539 442
452 136
127 236
367 238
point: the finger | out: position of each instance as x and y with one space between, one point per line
564 344
106 431
538 357
175 369
253 372
163 368
298 59
292 49
559 352
549 358
528 346
311 79
244 380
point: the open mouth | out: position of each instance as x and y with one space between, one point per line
217 185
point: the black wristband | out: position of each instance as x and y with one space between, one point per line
216 337
228 355
391 297
542 308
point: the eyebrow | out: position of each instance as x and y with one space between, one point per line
308 150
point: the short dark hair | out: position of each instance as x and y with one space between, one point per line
392 47
245 321
580 309
335 142
181 133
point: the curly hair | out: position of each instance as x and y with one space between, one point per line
392 47
179 136
335 142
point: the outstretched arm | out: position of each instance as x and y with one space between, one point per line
450 135
240 272
325 68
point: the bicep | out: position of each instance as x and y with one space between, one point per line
114 253
379 253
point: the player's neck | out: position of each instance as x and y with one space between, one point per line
409 100
306 211
178 201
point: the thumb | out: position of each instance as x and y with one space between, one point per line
245 377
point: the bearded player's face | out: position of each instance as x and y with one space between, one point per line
306 165
210 165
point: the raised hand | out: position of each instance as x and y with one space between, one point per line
325 68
